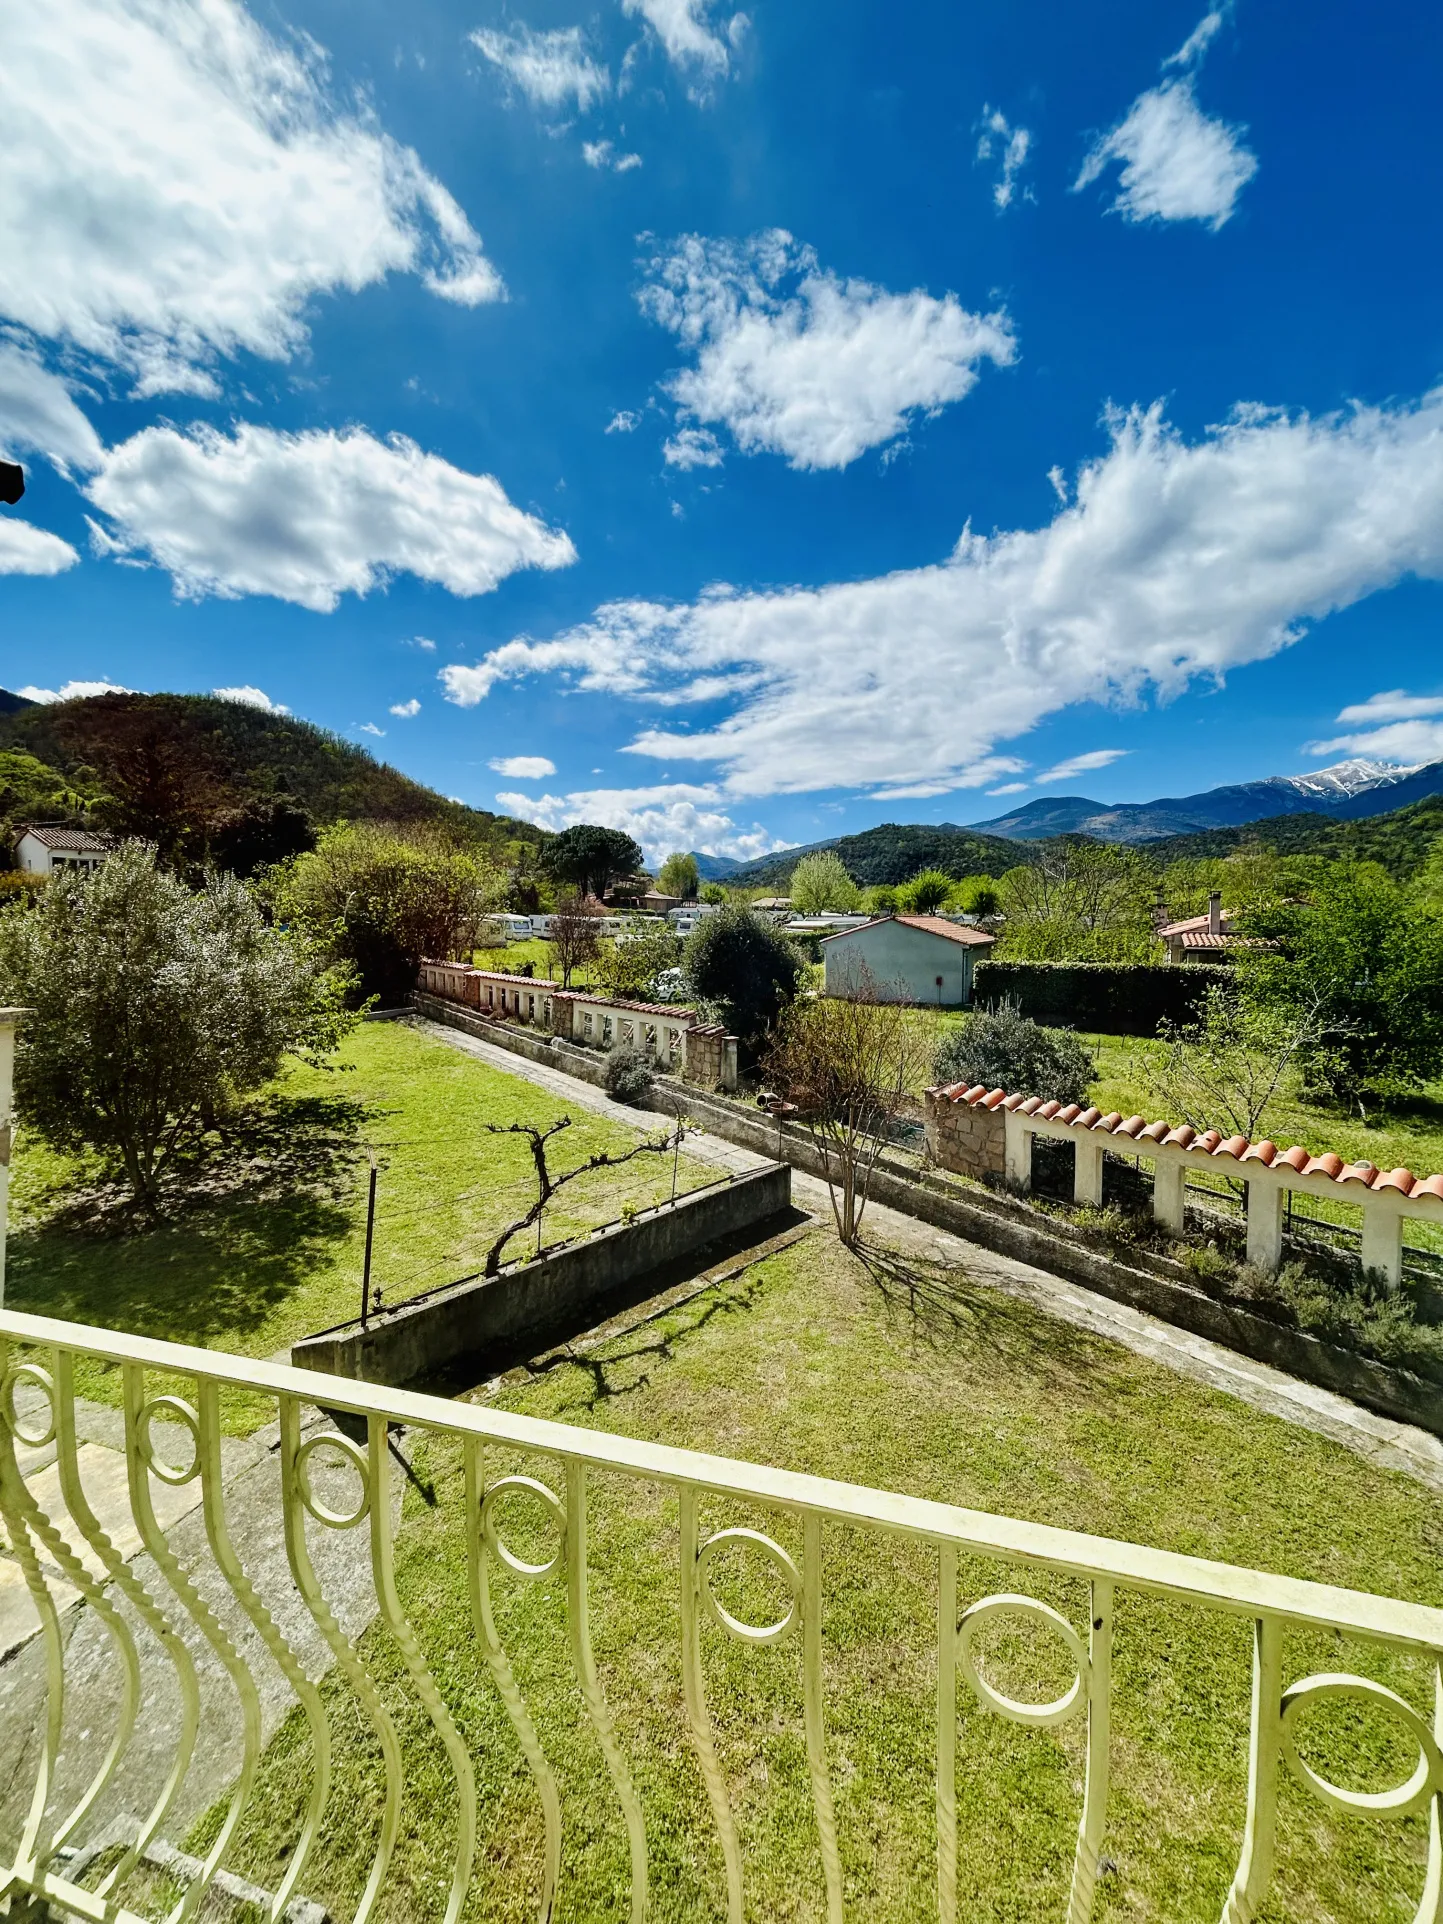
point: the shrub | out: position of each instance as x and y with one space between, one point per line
628 1073
748 972
1005 1049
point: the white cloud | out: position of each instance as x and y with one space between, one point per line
666 817
28 550
796 361
370 728
1010 788
406 709
684 31
178 184
252 697
693 448
1177 164
38 412
550 68
1172 561
1396 705
1412 742
601 153
310 517
624 421
73 691
1082 764
999 138
523 768
423 642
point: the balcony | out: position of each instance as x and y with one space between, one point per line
265 1611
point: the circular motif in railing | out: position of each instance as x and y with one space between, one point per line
41 1379
352 1454
507 1486
777 1556
1405 1798
178 1411
1036 1716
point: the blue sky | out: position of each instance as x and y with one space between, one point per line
739 426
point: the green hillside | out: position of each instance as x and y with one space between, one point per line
205 777
1400 840
895 852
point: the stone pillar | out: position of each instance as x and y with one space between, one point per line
1383 1243
1265 1223
729 1064
1087 1169
10 1020
1169 1193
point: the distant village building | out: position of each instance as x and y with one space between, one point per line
1202 938
41 848
905 958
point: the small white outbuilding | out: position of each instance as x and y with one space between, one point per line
905 958
43 847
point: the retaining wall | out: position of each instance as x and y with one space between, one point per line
482 1324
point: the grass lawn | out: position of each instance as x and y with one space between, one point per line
266 1243
915 1380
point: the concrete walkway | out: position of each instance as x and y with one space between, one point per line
1391 1445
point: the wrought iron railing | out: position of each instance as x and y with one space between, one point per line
160 1596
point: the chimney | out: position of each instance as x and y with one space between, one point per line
1159 910
1215 913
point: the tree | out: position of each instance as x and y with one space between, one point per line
379 900
820 882
713 892
925 893
680 876
977 895
154 1006
1226 1068
575 938
630 965
850 1067
1081 901
737 962
590 858
1005 1049
1364 956
547 1184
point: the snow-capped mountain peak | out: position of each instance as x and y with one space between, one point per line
1353 777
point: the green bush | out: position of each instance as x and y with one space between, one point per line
745 970
628 1073
1005 1049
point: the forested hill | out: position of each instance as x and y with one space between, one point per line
1399 840
190 771
895 852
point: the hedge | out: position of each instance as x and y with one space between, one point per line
1115 998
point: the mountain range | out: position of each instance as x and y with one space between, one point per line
1315 807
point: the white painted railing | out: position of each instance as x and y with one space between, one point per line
164 1601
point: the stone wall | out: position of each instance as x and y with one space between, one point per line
710 1057
972 1142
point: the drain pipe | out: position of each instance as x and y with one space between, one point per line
10 1020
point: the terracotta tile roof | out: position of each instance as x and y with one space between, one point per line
1205 939
930 925
1210 1142
678 1011
54 835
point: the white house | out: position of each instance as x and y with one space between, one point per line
909 958
43 847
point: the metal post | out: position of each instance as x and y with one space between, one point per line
10 1020
370 1232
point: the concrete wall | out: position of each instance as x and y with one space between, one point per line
973 1142
903 961
481 1324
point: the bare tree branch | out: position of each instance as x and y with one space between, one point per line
547 1184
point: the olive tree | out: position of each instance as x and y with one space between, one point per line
154 1006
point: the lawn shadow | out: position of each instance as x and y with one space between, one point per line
607 1368
247 1220
943 1309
